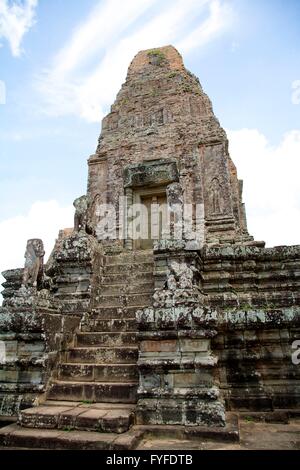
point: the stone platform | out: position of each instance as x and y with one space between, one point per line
100 427
253 436
100 417
255 433
16 437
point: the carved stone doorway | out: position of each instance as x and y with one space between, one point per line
145 187
153 220
148 217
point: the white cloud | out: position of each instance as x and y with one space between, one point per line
220 17
107 20
44 220
87 72
16 19
271 184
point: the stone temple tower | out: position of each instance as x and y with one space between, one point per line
158 308
162 130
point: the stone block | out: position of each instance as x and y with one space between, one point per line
30 349
90 420
159 346
67 419
193 379
11 350
269 336
151 380
117 421
168 380
194 345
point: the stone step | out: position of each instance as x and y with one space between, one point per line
105 339
113 324
133 256
133 288
97 372
108 355
73 278
125 278
124 300
102 405
108 313
93 392
83 418
125 268
14 436
71 295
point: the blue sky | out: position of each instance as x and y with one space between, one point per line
62 63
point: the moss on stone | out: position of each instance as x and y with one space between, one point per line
156 57
172 74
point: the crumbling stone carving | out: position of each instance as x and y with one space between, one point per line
175 207
80 218
34 261
180 287
184 274
216 201
174 194
94 212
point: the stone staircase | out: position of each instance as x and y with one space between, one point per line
101 365
96 382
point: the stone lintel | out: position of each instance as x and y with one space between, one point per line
151 173
96 159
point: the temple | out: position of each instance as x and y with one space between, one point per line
158 311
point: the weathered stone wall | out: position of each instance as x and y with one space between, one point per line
236 275
255 293
22 364
221 327
37 326
255 359
32 337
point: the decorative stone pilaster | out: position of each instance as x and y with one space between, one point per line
129 203
178 382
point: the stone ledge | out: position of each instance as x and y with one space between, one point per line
229 433
175 364
206 394
242 252
14 436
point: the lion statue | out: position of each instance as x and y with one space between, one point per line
34 262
